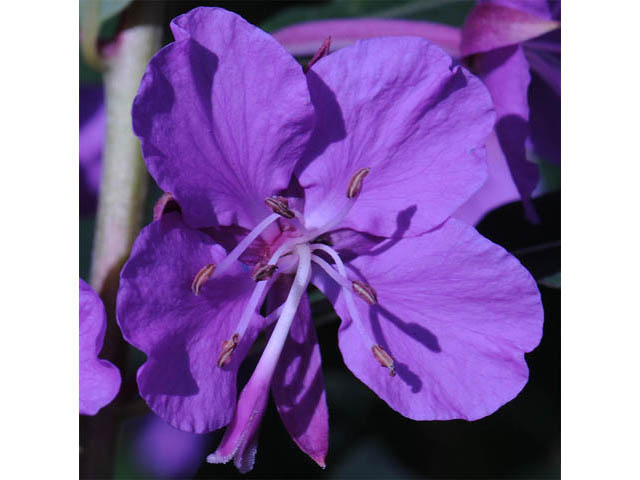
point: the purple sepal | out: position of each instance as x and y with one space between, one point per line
99 379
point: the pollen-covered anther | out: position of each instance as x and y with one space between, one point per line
202 276
228 346
384 359
355 184
279 205
365 292
262 271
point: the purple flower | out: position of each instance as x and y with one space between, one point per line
99 379
165 452
92 131
345 178
514 46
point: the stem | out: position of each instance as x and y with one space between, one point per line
122 193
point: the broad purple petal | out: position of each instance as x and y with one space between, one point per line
304 39
223 115
490 26
166 452
99 379
408 114
498 190
92 132
455 311
182 333
505 72
298 383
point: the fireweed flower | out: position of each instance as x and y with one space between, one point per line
514 47
345 178
99 379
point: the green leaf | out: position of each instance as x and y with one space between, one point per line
452 12
552 281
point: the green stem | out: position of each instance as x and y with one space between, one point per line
122 193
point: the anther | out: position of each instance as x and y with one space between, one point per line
202 276
355 184
384 359
228 346
365 292
263 271
279 205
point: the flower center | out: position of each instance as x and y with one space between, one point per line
295 252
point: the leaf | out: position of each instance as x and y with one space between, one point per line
452 12
552 281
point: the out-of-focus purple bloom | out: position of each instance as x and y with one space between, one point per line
514 46
99 379
514 49
92 131
345 177
165 452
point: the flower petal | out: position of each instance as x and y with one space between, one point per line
304 39
505 72
455 311
181 332
412 118
498 190
490 26
223 115
298 383
99 379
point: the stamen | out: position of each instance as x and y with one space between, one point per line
354 188
355 184
279 205
322 52
258 294
263 271
365 291
202 276
228 346
384 359
339 279
245 243
272 351
348 296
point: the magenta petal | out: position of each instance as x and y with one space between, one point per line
182 333
223 115
298 385
491 26
304 39
455 311
410 116
505 72
99 379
